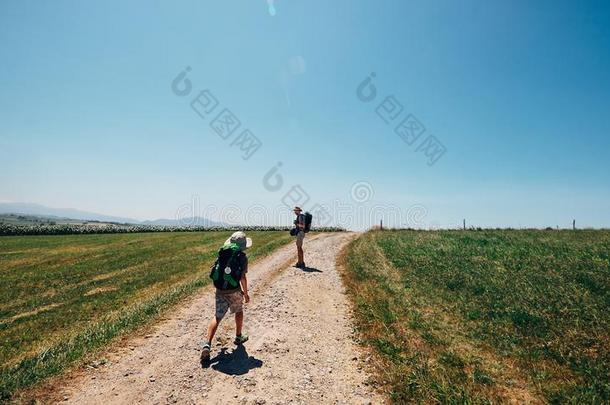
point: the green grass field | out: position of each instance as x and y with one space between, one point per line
485 316
63 296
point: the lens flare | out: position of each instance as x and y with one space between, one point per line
271 8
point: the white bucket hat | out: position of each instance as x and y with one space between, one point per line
240 239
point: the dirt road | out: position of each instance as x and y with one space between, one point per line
300 348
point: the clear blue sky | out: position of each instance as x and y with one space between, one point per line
517 91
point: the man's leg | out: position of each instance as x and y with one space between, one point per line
300 238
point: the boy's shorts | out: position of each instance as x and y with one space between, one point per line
300 238
233 300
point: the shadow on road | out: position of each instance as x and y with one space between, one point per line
238 362
311 270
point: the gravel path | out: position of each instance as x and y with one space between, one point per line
300 348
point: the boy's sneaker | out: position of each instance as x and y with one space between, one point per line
241 339
205 352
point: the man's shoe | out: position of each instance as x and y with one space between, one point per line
301 265
205 353
241 339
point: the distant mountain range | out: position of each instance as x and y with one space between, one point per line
72 213
196 221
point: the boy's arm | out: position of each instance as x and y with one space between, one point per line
244 286
244 279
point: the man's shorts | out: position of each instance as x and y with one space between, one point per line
300 238
233 301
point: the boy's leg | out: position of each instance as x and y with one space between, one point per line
239 322
240 337
207 345
212 328
237 308
222 305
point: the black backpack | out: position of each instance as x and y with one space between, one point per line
308 219
228 268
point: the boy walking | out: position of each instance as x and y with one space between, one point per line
229 276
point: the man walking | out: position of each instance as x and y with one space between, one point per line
299 232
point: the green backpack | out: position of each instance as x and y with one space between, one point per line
228 268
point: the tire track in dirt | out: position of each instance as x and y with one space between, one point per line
301 348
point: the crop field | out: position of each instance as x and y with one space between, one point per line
485 316
63 296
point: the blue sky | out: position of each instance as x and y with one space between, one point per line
517 92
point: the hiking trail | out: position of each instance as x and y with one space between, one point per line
301 347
